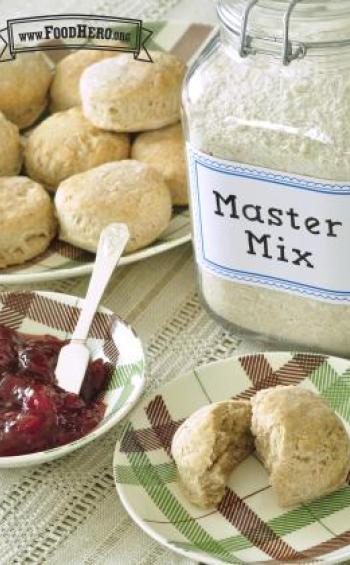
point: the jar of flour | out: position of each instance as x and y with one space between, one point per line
267 115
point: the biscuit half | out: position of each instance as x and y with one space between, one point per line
208 446
302 442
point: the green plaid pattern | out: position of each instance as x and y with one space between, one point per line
252 527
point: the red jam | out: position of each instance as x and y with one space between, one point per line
35 413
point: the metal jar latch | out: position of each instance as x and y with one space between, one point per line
290 50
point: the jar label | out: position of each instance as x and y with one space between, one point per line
270 229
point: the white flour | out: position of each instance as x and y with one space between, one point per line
296 120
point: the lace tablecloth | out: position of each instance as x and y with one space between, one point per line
68 512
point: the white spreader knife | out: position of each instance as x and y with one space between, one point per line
74 358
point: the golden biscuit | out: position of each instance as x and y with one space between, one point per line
65 86
126 191
10 148
164 149
66 143
24 85
123 94
27 220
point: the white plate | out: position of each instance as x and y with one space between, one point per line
111 339
248 525
63 261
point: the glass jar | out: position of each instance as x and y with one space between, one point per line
266 109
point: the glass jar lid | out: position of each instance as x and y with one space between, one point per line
287 29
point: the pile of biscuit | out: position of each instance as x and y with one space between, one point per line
111 150
299 439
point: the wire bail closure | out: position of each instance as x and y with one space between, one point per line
289 53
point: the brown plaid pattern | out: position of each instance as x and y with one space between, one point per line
70 252
16 306
159 436
262 375
235 510
242 517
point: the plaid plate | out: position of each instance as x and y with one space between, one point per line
248 526
62 260
110 338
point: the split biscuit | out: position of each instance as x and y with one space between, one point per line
208 446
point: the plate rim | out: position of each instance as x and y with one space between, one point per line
82 270
197 557
203 558
30 459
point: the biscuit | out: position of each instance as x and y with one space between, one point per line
66 143
24 85
208 446
65 86
126 191
302 443
164 149
27 220
123 94
10 148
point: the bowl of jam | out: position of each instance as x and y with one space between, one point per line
39 421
